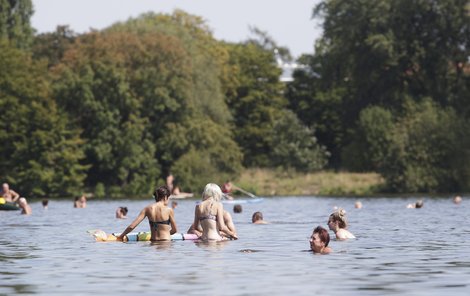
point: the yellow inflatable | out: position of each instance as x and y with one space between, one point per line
2 200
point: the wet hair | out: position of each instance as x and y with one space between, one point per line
212 191
419 204
45 202
340 216
256 216
124 210
237 208
161 193
322 234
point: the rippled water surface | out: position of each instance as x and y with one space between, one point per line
398 251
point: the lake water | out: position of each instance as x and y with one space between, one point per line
398 251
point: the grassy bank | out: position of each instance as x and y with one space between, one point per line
276 182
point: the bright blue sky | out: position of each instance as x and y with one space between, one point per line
289 23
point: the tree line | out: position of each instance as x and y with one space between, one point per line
116 110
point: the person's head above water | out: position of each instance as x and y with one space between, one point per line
257 216
161 193
237 209
338 218
457 199
419 204
319 240
212 191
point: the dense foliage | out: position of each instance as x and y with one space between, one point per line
114 111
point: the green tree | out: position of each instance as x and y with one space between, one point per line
52 46
15 23
379 53
257 102
295 146
41 154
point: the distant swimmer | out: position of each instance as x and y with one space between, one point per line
25 208
457 199
45 203
161 218
338 224
237 209
418 204
209 214
80 202
257 218
8 194
121 213
358 205
319 241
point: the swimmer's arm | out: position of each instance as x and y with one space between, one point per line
133 224
221 223
196 217
174 229
16 196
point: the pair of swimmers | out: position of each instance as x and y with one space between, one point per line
208 222
320 237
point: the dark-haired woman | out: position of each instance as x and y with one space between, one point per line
319 241
161 218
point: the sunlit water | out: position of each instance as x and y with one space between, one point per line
398 251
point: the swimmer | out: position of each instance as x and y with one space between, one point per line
257 218
174 204
227 220
418 204
161 218
121 213
210 215
319 241
25 208
457 200
237 209
8 194
45 203
358 205
338 224
80 202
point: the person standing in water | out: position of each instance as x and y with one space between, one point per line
210 215
338 224
161 218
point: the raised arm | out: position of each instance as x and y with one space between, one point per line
174 229
134 224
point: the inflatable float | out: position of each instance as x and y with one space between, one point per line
7 206
101 236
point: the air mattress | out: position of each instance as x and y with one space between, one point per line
101 236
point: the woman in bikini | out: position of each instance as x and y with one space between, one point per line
161 218
209 214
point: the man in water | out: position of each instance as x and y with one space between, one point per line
8 194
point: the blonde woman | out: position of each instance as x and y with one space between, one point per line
209 214
338 224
